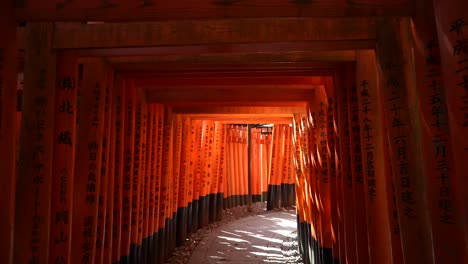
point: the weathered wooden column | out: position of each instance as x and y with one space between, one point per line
404 138
34 182
444 184
118 112
87 180
452 30
64 157
8 76
375 173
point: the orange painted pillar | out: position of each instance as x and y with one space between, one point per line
109 216
445 203
375 172
34 179
166 180
159 122
183 200
349 224
137 178
87 180
452 30
8 128
144 178
64 158
177 181
404 137
127 186
118 119
215 156
222 172
150 183
104 173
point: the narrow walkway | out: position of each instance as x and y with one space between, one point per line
254 239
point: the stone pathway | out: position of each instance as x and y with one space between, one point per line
270 237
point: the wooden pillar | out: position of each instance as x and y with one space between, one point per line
349 223
87 180
34 182
127 186
404 138
64 158
442 178
8 128
452 31
375 173
118 120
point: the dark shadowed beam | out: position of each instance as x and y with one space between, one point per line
213 82
212 32
248 95
137 10
144 70
276 109
300 50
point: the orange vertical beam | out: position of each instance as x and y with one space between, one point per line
150 171
127 185
36 148
402 120
452 30
177 181
222 170
198 128
118 120
159 123
144 190
8 128
88 161
183 199
190 174
64 158
137 177
109 217
104 173
215 156
349 225
373 166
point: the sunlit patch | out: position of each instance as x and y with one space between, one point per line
235 239
267 248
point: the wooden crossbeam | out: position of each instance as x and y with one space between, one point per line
143 10
213 32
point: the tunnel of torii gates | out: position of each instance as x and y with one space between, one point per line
131 129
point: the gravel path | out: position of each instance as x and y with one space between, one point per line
241 236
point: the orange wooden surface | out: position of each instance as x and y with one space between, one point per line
87 180
9 132
151 144
34 176
104 173
144 188
375 172
403 135
64 158
349 223
451 22
159 110
118 120
446 221
137 173
128 149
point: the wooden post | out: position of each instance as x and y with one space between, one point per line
8 128
34 182
249 167
127 186
452 31
104 173
87 180
349 224
64 158
375 173
404 137
118 124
